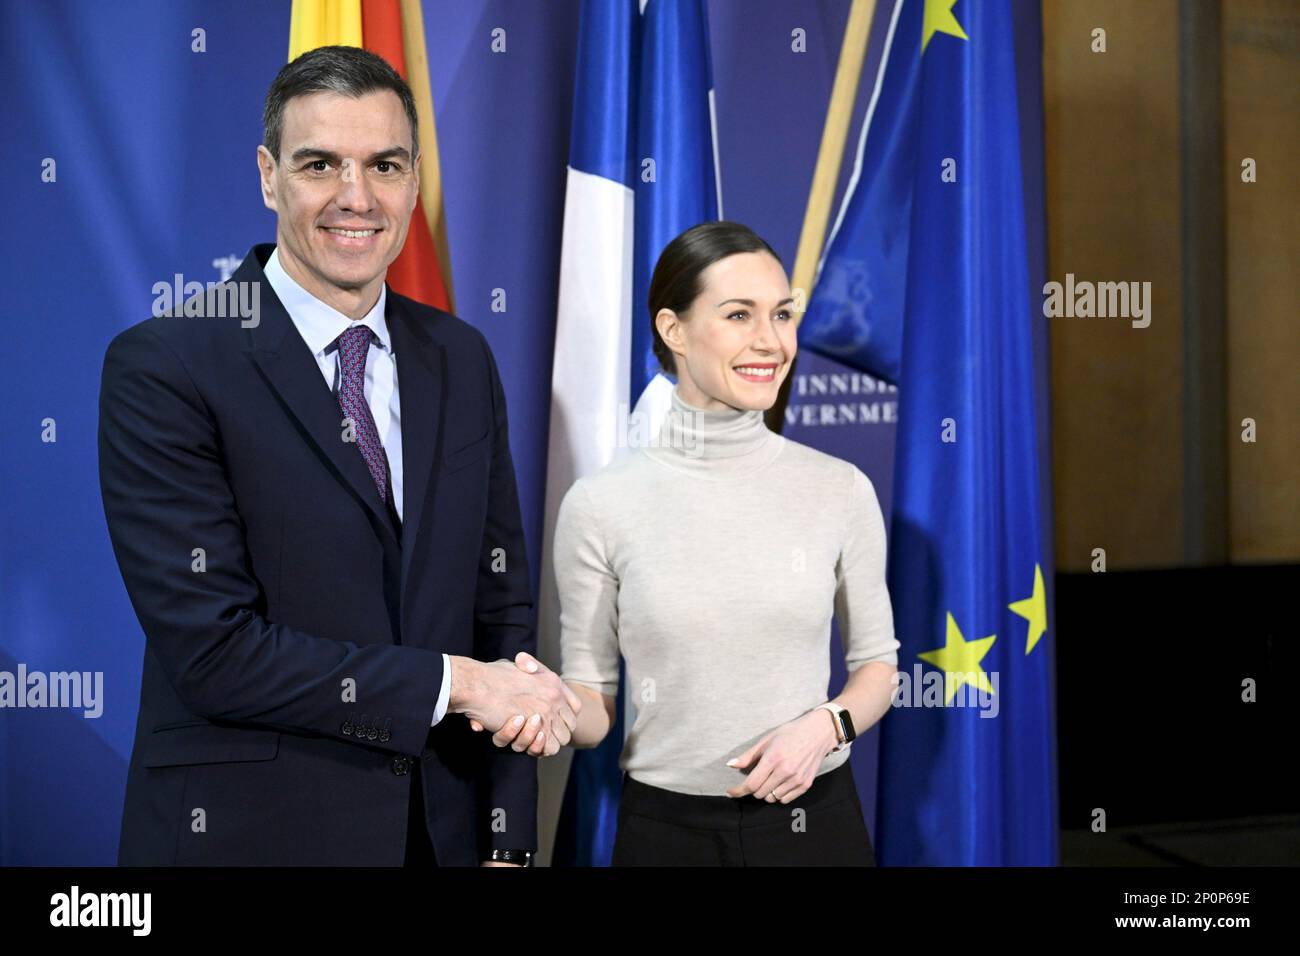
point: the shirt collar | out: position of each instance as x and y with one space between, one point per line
320 324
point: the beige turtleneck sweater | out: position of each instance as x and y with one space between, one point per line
713 562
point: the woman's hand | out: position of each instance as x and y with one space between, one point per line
785 762
525 734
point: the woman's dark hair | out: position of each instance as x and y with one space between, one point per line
676 280
346 70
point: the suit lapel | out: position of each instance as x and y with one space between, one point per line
421 380
291 370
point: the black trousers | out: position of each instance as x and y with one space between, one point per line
419 848
824 827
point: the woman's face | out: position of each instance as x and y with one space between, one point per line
735 346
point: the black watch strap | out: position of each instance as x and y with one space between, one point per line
846 722
522 857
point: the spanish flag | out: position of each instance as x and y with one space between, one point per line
394 30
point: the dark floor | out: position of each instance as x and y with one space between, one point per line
1254 841
1175 715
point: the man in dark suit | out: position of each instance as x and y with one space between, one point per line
315 514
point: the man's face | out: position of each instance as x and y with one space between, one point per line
344 189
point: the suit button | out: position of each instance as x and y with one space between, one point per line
401 765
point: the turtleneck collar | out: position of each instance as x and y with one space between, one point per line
714 444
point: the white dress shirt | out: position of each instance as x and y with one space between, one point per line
320 325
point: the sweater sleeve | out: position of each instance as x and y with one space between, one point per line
862 605
588 590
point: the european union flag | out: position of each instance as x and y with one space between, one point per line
967 754
855 314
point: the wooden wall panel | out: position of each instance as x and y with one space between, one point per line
1113 214
1261 92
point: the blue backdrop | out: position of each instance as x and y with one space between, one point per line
153 149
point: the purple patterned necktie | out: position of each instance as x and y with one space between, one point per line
353 346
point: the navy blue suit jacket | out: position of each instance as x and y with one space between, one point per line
292 665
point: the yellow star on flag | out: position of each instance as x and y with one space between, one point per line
959 659
1034 610
938 18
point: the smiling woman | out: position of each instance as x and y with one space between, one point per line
733 283
712 560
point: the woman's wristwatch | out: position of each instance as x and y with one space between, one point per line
844 732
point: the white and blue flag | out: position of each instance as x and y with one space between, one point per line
643 168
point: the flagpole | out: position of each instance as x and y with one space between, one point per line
431 189
835 133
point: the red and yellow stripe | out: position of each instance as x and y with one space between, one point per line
394 30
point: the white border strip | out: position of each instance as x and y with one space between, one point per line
717 159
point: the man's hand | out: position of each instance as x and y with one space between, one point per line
529 735
499 694
785 762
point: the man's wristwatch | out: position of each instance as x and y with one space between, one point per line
522 857
844 732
